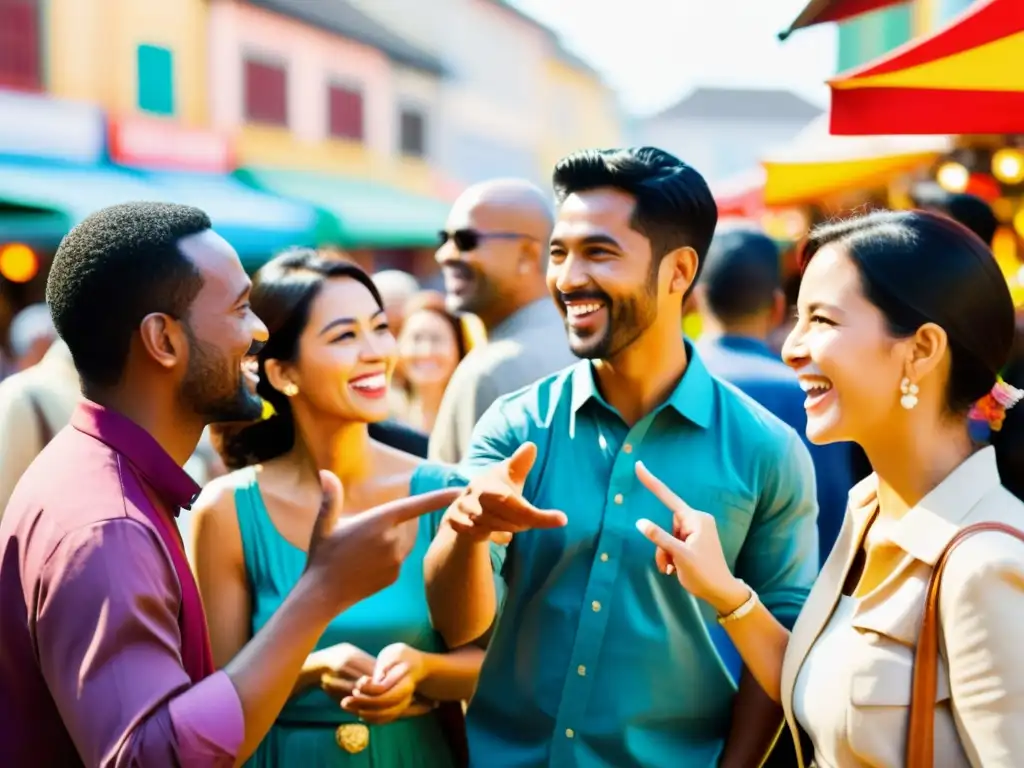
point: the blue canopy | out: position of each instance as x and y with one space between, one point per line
256 223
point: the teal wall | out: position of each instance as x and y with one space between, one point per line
869 36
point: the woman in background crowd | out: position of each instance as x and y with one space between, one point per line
431 345
369 695
905 322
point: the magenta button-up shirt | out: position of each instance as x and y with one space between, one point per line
90 648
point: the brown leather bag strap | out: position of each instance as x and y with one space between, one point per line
921 725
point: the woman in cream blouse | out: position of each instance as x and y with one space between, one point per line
904 322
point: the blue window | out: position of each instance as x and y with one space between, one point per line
948 9
156 80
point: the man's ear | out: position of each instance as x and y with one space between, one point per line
683 263
164 340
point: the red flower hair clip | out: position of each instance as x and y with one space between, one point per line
993 406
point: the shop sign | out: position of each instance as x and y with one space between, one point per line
162 145
38 126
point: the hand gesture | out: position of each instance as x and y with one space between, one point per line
341 666
492 506
389 691
692 550
351 559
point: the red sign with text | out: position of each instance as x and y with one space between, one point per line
147 143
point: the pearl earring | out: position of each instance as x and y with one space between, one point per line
909 390
290 390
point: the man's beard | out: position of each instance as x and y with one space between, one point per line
628 318
215 389
480 292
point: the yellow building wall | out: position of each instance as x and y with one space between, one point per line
593 116
92 52
269 147
925 16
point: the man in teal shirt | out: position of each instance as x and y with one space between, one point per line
596 658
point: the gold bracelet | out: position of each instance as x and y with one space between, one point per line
748 605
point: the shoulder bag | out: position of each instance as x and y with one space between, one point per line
921 725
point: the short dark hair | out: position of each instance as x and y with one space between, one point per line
742 275
117 266
919 267
674 205
283 291
970 210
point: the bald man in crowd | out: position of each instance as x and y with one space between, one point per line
494 258
396 288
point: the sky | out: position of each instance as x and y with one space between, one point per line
653 52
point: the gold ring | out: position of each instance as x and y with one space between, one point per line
352 737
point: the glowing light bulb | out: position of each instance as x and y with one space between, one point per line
1008 166
953 177
18 263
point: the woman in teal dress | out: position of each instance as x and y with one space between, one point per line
371 695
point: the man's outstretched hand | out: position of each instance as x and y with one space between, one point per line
354 558
492 506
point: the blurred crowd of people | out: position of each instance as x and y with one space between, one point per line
620 546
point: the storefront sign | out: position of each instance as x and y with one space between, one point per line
156 144
41 127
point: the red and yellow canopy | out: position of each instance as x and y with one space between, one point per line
965 79
817 166
824 11
741 196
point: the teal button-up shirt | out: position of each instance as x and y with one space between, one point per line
597 659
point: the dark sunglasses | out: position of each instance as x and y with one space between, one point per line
467 240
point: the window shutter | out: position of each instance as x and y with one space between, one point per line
266 93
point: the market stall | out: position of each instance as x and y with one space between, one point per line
832 171
964 79
825 11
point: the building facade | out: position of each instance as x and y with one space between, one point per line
581 111
131 58
515 100
349 123
319 86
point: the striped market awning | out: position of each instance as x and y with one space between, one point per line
967 78
826 11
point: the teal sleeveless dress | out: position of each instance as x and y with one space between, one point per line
304 733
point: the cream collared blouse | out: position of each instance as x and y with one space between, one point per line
979 708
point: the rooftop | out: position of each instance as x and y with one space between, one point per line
522 15
343 19
741 104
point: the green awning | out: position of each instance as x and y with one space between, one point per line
21 225
366 214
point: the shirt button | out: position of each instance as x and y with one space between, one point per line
569 733
618 498
595 606
604 557
627 448
581 670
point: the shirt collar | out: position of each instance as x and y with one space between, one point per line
693 397
171 483
536 313
744 344
927 527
